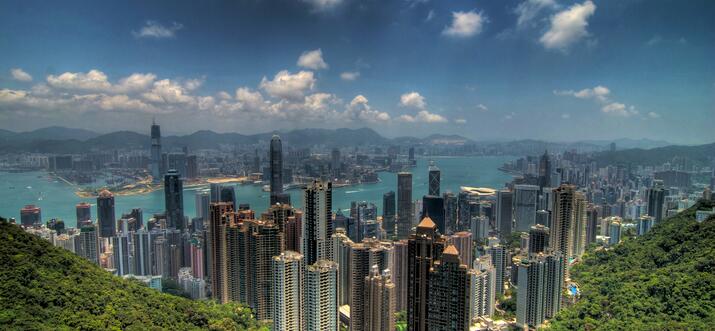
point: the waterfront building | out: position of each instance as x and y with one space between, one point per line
84 214
30 215
105 214
433 180
276 172
155 164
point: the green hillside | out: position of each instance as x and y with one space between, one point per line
43 287
664 280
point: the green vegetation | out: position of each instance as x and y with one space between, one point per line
43 287
664 280
401 320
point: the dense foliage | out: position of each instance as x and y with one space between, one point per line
664 280
43 287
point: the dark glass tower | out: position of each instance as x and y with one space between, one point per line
276 184
404 204
174 199
317 227
388 213
433 207
105 214
434 179
155 162
545 170
424 248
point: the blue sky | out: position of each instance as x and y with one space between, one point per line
545 69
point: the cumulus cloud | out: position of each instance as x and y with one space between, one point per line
156 30
599 93
423 116
359 109
20 75
460 121
653 115
413 100
94 80
530 9
617 108
135 82
482 107
168 91
312 60
465 24
565 116
323 5
568 26
350 75
287 85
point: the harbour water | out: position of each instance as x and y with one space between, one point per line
57 199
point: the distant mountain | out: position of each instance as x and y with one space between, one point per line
43 287
700 154
50 133
626 143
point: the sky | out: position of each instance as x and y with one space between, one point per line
503 69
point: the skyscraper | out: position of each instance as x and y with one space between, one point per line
504 213
656 201
317 227
462 241
400 273
89 244
120 254
404 204
276 180
540 286
562 219
578 229
525 201
201 203
30 215
288 291
155 162
363 256
265 242
380 301
105 214
448 306
424 247
84 213
342 251
544 170
335 162
484 286
321 298
141 244
218 249
434 180
538 239
388 213
228 194
433 207
174 200
500 260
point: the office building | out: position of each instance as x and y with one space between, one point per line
463 242
88 244
174 200
120 254
451 213
644 224
317 226
404 204
379 301
84 214
433 180
540 285
500 261
525 203
388 213
155 166
505 216
538 239
424 248
30 215
218 249
105 214
321 299
656 201
287 291
141 247
276 172
448 305
433 207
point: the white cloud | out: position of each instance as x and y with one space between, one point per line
568 26
413 100
565 116
430 15
465 24
529 9
20 75
423 116
223 95
350 75
11 96
653 115
168 91
249 99
312 60
619 109
359 109
460 121
156 30
287 85
192 84
482 107
94 80
599 93
509 116
135 82
655 40
323 5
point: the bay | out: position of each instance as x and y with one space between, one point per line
57 199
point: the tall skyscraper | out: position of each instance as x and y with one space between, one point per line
463 242
321 298
88 246
544 170
451 212
400 273
317 227
105 214
84 213
504 213
201 203
218 249
380 301
540 286
120 254
484 286
342 251
141 244
288 291
174 200
525 201
448 306
335 162
155 161
434 180
228 194
404 204
591 224
500 260
276 180
265 242
578 229
563 219
538 239
388 213
30 215
433 207
363 256
656 201
424 247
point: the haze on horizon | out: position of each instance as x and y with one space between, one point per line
542 69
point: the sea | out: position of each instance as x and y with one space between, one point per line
57 199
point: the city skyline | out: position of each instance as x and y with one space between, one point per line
485 70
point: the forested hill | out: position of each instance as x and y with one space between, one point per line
664 280
43 287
